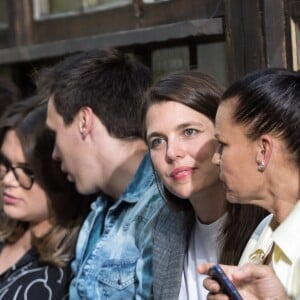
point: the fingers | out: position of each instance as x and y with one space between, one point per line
250 272
217 297
211 285
203 268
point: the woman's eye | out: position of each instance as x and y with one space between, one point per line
156 142
190 131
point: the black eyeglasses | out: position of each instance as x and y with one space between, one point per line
23 174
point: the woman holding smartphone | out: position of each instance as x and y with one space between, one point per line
178 118
258 130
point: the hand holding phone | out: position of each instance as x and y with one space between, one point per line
227 286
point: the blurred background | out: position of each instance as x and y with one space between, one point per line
225 38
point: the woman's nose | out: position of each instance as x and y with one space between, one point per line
174 150
10 179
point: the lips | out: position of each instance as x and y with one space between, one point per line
9 199
63 169
68 176
181 173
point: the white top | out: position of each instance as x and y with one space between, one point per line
202 248
285 258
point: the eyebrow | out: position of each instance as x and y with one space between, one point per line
153 134
216 135
188 124
17 164
179 127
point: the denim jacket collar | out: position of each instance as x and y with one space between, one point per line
142 179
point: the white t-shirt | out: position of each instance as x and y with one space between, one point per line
202 248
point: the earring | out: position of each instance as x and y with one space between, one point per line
261 166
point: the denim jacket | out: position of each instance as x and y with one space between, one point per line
114 248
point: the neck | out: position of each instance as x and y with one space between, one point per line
281 209
281 193
281 185
24 241
135 152
210 204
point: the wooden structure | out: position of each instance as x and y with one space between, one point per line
255 34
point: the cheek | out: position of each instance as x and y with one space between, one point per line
233 165
157 158
59 146
38 197
205 151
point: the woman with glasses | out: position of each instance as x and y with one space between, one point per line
42 212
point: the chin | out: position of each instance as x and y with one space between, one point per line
83 190
232 198
181 194
12 215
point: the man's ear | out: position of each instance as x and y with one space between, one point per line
85 116
265 148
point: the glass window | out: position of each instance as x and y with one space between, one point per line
91 3
43 8
154 1
208 58
58 6
3 14
169 60
211 59
4 32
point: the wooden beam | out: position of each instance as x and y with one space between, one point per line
294 9
200 27
244 37
275 37
20 22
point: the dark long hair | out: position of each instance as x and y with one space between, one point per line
202 93
268 101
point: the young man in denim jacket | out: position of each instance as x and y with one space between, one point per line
94 111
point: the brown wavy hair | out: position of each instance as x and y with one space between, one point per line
67 207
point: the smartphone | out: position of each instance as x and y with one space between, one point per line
226 284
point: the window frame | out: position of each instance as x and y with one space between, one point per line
38 16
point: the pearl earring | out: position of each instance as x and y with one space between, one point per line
261 166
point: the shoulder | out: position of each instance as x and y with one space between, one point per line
260 239
171 235
171 227
33 280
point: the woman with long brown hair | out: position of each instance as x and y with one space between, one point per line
178 117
